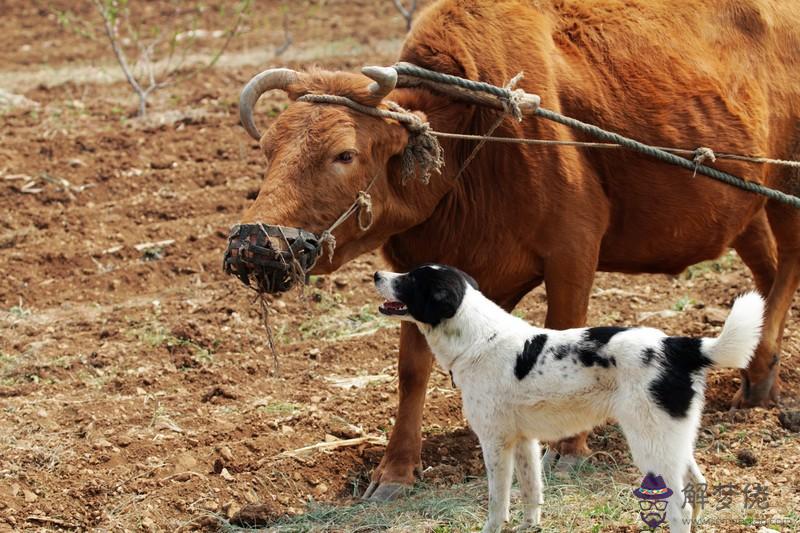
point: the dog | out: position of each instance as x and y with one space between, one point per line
521 384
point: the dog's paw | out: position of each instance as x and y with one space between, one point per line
492 526
528 526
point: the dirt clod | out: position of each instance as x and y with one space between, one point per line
254 515
218 392
790 420
746 457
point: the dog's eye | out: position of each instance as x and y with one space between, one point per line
345 157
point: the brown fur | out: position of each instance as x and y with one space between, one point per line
673 73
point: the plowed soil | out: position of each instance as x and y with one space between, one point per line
136 386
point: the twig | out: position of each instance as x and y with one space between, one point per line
141 247
54 521
408 13
287 36
112 11
326 446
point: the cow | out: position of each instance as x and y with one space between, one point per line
680 73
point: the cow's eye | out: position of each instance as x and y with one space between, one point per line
345 157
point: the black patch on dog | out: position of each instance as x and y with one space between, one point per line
602 335
592 342
526 359
648 355
672 389
432 293
560 351
590 357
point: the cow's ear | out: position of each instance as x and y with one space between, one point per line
399 134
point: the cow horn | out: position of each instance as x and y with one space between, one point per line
385 80
274 78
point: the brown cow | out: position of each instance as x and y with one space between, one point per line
682 73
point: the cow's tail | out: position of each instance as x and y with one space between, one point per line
740 335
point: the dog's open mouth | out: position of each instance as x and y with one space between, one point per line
393 308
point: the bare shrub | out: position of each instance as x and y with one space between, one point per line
407 12
160 50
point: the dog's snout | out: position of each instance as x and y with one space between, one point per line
376 277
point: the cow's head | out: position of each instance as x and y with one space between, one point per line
319 157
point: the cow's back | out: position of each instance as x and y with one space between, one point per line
681 73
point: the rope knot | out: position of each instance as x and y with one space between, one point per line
700 155
364 202
511 104
423 153
328 240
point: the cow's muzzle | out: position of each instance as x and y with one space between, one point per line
270 258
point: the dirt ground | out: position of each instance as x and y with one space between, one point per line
136 387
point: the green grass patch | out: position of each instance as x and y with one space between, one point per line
683 303
279 408
726 263
592 497
334 321
155 334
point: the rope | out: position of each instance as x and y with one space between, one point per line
361 205
667 157
604 135
511 106
584 144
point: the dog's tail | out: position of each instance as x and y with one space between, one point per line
740 334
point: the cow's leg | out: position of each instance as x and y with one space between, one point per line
756 246
760 381
569 283
402 458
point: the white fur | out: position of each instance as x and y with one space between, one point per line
740 334
479 346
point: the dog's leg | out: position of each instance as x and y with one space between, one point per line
662 446
695 476
669 462
527 464
499 458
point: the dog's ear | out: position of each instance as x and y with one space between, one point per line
441 305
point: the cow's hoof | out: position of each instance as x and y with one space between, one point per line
384 492
764 393
559 465
549 460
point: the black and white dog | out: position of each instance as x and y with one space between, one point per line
521 383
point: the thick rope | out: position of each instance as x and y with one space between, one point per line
607 136
584 144
667 157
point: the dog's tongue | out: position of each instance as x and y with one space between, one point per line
393 308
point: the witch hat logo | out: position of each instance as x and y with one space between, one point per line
653 496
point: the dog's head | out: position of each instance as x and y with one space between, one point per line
427 295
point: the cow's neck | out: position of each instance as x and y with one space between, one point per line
471 217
